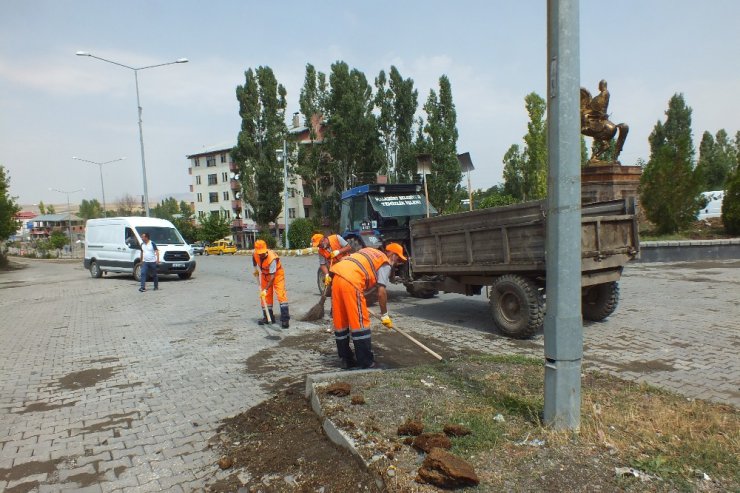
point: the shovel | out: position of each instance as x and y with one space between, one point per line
262 302
410 338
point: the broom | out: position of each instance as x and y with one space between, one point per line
317 311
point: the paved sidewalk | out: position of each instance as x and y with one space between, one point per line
108 389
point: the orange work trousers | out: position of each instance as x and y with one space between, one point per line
278 288
348 306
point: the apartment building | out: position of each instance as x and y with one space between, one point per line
216 190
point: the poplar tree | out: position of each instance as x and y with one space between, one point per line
525 171
670 187
441 142
397 101
717 159
8 208
262 103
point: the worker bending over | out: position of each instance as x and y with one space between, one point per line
332 249
353 276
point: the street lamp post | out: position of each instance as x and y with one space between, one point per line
69 214
138 106
100 166
283 153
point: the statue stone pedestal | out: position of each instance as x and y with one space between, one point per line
609 181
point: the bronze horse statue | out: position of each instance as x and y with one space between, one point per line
595 123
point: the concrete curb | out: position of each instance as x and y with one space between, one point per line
313 384
689 250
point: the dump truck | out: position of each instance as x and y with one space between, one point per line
501 249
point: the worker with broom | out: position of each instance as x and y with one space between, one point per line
268 268
353 276
332 249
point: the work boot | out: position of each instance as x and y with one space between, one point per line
284 316
264 320
364 352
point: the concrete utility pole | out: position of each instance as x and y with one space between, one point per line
563 323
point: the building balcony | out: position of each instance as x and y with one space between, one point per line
237 224
236 205
233 167
235 185
307 202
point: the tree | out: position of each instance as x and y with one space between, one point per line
525 171
262 103
213 227
312 161
166 209
90 209
57 240
670 189
495 196
8 209
731 204
42 207
441 142
717 159
397 103
50 209
353 140
127 206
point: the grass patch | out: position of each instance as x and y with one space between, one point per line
501 399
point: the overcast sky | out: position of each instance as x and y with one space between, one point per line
55 105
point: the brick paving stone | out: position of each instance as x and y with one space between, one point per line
170 368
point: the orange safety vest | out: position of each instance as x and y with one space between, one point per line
265 265
361 268
333 245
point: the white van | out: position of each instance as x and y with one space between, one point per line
112 244
714 204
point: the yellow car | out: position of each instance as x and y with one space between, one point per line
220 247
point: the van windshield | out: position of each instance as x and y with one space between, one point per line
162 235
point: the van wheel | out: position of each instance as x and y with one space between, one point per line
95 271
185 275
137 272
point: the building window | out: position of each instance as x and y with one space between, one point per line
227 214
224 177
197 180
291 213
196 162
291 192
214 213
223 158
213 197
210 161
200 197
226 196
201 214
213 179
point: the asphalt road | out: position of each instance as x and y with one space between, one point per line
107 389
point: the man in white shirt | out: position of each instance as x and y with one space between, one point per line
149 260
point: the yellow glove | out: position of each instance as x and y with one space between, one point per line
386 320
263 294
327 280
334 253
256 273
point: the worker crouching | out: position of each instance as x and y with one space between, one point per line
331 249
353 276
272 281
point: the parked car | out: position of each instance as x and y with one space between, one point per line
220 247
198 248
714 204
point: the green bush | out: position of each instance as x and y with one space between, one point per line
267 238
300 233
731 204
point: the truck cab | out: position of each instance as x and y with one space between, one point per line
375 214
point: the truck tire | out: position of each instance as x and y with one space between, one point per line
137 272
517 306
421 293
600 301
95 271
320 283
355 244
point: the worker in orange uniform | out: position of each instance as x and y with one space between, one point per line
353 276
332 249
267 266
